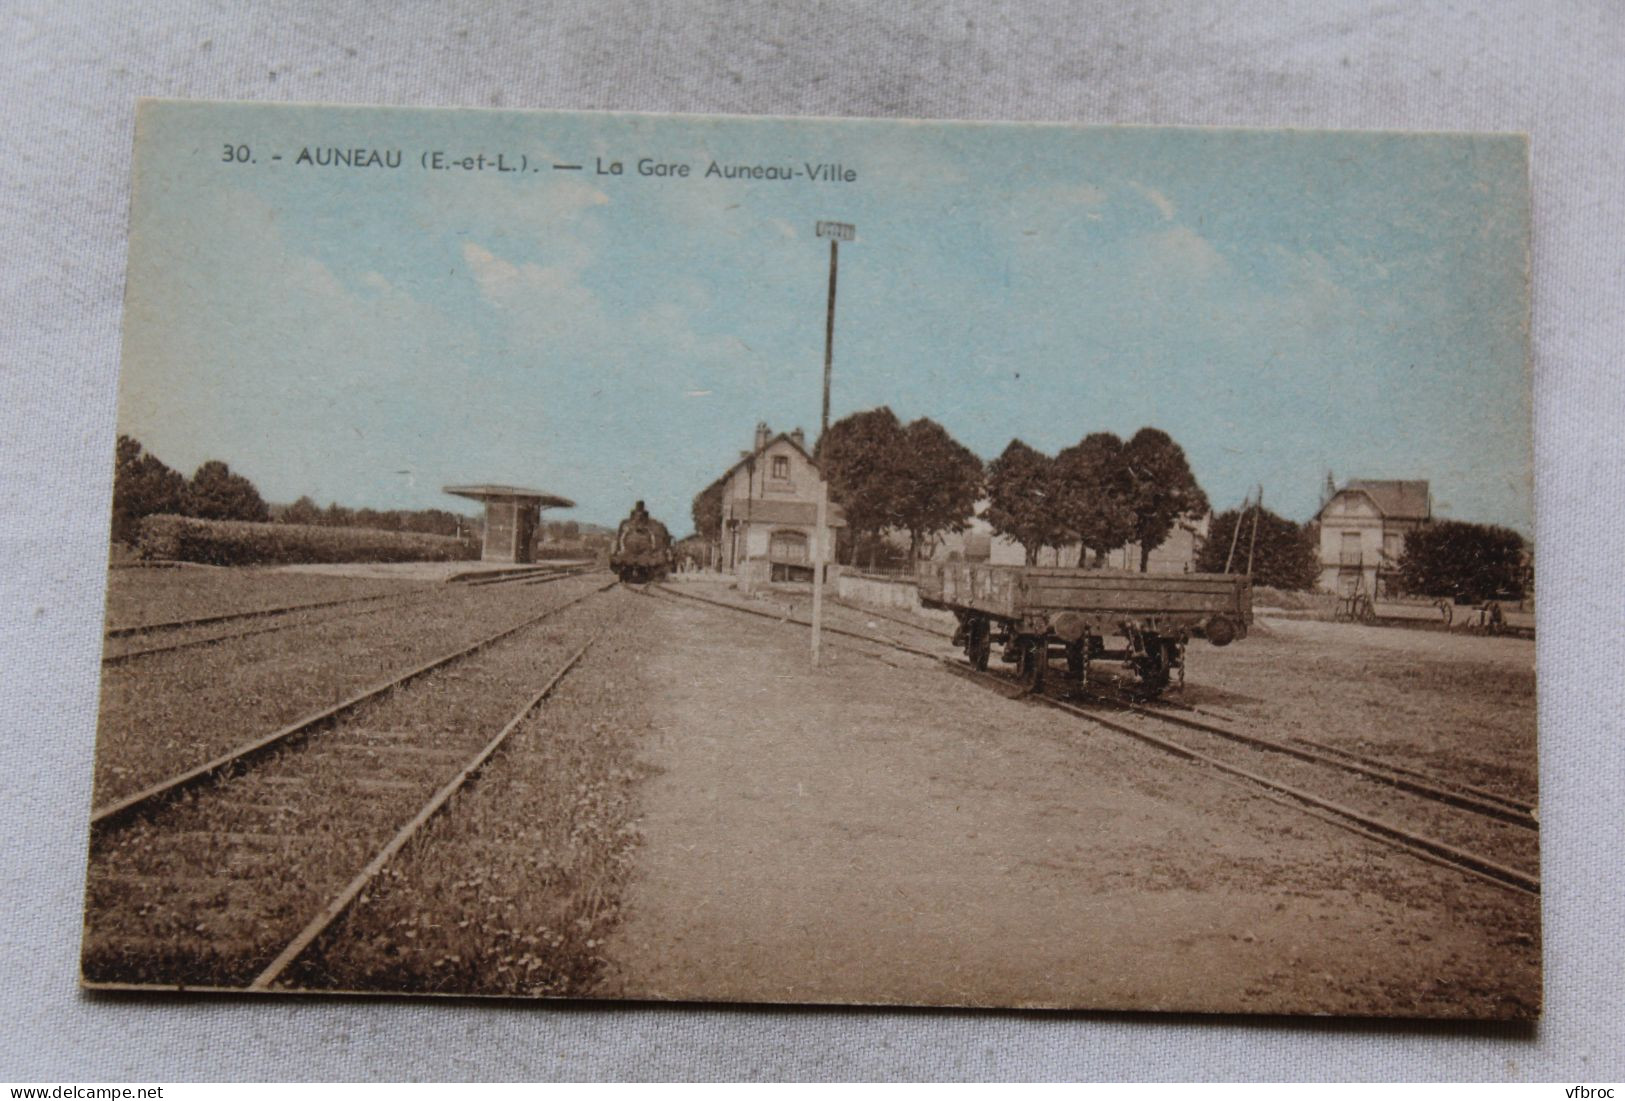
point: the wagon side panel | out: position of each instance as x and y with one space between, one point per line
1174 598
992 590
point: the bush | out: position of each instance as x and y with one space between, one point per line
1470 563
241 543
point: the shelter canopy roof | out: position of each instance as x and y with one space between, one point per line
488 492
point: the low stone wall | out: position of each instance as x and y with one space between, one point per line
887 594
877 592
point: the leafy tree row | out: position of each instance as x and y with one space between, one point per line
429 521
1101 493
914 478
144 486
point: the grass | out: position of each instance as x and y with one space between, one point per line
1323 605
162 714
145 595
209 889
515 886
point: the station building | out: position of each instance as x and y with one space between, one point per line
770 510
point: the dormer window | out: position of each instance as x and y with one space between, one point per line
781 467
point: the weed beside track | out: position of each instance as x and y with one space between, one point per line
515 887
206 890
167 714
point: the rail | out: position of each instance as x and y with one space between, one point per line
1356 821
149 798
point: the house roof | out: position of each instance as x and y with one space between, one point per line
1396 500
767 511
487 491
749 455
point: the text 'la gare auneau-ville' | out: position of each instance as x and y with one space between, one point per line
441 160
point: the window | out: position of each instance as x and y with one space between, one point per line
781 466
1350 549
788 546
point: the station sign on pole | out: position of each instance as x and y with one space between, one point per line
836 232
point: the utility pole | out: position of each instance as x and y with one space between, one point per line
1258 507
836 232
1235 533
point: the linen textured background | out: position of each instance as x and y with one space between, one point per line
69 77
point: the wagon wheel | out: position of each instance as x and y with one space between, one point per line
1034 663
1152 662
1153 677
1077 663
978 643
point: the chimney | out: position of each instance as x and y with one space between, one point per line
799 437
761 436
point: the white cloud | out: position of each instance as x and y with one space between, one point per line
1184 252
1164 205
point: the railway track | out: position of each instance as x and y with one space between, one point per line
1393 806
223 875
296 615
1469 797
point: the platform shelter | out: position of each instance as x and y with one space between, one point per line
512 518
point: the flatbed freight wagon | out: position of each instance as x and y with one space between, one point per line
1036 613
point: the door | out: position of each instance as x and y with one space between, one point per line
789 547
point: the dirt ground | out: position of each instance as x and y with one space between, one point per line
1460 706
881 831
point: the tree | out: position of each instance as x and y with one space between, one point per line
938 485
142 486
1467 562
1286 555
1096 494
1164 489
302 511
860 456
1023 492
707 513
215 493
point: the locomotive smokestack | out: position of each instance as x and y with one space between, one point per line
761 436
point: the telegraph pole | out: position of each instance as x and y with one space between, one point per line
836 232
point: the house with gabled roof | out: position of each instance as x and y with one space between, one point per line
770 510
1363 527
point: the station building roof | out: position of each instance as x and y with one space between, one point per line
486 491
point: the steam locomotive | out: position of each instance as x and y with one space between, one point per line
642 550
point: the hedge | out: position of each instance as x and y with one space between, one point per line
240 543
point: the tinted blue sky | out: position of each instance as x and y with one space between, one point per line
1282 303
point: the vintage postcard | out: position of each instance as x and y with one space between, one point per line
821 561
